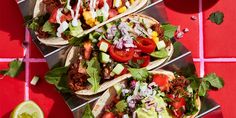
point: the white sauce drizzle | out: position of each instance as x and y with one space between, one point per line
105 9
92 6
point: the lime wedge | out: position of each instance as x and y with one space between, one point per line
27 109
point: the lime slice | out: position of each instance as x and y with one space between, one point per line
27 109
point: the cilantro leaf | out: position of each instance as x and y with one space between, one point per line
121 106
195 82
93 71
48 27
139 74
214 80
160 54
57 76
87 112
15 67
203 88
216 17
169 30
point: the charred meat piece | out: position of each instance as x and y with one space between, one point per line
77 76
178 85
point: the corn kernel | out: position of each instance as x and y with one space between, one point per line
131 1
155 39
88 18
122 9
154 34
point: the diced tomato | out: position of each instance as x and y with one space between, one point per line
178 103
53 16
162 81
178 113
105 41
145 59
110 3
146 45
63 18
108 115
121 55
112 13
88 50
100 3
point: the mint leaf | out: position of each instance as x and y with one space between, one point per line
14 68
87 112
93 71
160 54
121 106
216 17
214 80
58 77
48 27
139 74
169 30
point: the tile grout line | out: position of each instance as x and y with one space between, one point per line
22 59
27 66
201 45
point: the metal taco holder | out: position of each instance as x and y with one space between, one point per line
181 60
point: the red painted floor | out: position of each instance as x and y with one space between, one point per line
218 47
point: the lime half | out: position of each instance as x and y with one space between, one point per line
27 109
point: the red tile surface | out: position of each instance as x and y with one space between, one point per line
226 96
218 42
178 16
11 30
46 96
34 52
197 66
220 39
12 92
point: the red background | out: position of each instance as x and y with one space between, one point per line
219 42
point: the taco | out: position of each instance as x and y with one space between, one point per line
163 94
56 21
135 41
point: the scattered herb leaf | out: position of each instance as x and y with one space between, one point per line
169 30
93 71
14 68
87 112
139 74
216 17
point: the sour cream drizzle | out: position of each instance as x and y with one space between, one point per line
63 25
92 6
105 9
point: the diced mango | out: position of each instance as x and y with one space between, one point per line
131 1
122 9
89 20
154 34
155 39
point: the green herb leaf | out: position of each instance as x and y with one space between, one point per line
15 67
216 17
195 82
160 54
57 77
76 41
203 88
33 25
93 71
214 80
121 106
169 30
87 112
139 74
48 27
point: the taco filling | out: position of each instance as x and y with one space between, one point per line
108 52
69 18
161 95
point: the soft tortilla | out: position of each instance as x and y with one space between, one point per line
109 94
73 55
56 41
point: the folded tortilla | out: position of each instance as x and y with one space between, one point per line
40 9
73 55
110 93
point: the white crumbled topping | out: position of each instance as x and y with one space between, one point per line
186 30
193 17
180 35
125 116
